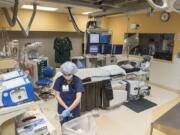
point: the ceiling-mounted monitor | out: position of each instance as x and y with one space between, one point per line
105 39
93 38
93 49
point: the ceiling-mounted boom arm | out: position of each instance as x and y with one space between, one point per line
130 43
134 6
73 20
11 21
26 31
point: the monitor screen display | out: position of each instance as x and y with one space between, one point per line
94 38
105 49
105 39
80 63
94 49
117 49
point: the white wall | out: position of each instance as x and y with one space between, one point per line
166 74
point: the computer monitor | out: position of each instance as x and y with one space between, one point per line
105 49
105 39
80 63
92 49
94 38
117 49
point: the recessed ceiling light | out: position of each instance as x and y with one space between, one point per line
86 13
39 8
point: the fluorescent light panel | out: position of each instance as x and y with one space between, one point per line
86 13
40 8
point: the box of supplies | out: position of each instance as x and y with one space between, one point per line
34 123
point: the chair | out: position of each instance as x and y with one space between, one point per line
44 84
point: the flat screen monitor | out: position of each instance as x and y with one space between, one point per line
117 49
80 63
105 49
92 49
105 39
94 38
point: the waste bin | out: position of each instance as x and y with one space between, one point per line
84 125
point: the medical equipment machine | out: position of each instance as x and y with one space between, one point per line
16 91
10 49
136 89
11 75
35 67
130 43
30 51
80 61
34 122
146 63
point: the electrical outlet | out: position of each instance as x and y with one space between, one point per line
134 26
178 55
177 37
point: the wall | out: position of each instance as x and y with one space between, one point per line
163 73
166 74
47 21
153 24
46 26
47 38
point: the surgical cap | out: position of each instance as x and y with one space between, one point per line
68 68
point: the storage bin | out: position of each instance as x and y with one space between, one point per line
84 125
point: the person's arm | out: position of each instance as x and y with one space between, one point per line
59 99
76 101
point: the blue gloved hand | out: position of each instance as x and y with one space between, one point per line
66 113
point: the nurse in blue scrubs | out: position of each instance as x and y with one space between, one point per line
69 90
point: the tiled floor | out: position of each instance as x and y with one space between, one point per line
120 121
126 122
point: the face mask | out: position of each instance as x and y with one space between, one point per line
69 77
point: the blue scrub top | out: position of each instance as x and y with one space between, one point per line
69 96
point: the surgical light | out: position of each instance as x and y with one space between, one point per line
40 8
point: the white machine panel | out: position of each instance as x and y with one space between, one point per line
13 83
11 75
19 95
